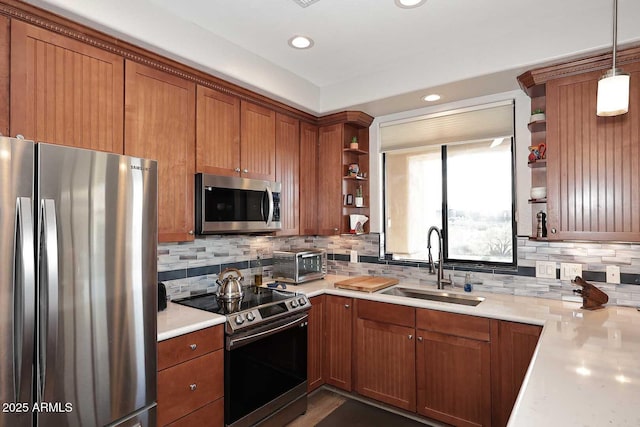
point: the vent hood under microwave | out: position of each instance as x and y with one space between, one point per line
227 204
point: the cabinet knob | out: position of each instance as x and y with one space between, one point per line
420 339
410 336
237 169
191 232
245 170
554 231
346 306
193 346
193 387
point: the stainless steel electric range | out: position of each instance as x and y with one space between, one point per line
265 355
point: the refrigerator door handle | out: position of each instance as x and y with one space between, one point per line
48 292
24 287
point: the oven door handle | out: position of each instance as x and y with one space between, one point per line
239 342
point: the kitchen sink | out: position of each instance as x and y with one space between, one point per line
433 296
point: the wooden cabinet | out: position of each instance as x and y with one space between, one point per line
160 124
257 141
217 133
329 193
315 344
5 69
512 347
308 179
288 173
593 165
385 353
64 91
191 379
453 370
338 343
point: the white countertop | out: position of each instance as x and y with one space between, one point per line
585 371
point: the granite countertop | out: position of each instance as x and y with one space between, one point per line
585 370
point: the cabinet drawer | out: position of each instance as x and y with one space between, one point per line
190 385
386 313
460 325
189 346
211 415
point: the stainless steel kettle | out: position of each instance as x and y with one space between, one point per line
230 287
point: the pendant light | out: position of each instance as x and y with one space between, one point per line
613 86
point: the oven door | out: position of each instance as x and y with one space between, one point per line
266 371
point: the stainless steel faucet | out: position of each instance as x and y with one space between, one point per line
441 280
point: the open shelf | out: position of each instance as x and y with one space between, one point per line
355 178
538 126
356 151
541 163
544 200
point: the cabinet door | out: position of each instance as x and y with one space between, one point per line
315 344
308 179
5 50
257 142
385 363
453 379
288 172
593 163
330 180
217 133
160 124
338 324
512 348
64 91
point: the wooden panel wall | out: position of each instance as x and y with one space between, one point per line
593 162
64 91
288 172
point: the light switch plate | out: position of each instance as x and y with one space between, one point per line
353 256
546 269
569 271
613 274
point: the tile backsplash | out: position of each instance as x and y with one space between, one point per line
193 267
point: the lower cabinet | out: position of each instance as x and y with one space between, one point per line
191 379
512 348
315 344
385 353
338 341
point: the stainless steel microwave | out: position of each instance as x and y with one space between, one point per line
299 265
227 204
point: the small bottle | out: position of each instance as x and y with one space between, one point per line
468 286
257 274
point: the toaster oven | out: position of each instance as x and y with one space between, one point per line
299 265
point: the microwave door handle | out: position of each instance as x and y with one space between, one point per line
271 206
23 300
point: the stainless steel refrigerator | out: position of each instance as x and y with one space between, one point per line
78 287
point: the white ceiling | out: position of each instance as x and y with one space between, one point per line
368 54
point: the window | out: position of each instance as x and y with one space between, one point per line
466 188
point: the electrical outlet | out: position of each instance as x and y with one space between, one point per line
569 271
546 269
354 256
613 274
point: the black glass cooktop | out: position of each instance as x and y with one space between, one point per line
253 297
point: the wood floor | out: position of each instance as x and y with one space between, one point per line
320 404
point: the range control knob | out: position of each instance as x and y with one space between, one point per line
250 317
302 301
239 319
294 304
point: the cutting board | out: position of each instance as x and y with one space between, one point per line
366 283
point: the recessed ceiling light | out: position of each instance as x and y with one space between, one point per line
431 98
409 4
300 42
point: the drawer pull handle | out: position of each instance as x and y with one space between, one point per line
193 387
346 306
410 336
420 339
193 346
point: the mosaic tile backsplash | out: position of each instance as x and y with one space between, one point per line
192 267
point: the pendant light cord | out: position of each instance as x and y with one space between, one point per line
615 33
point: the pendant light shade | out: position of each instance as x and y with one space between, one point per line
613 86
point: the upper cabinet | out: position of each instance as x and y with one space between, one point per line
329 193
64 91
308 179
218 133
257 141
592 163
288 172
5 60
160 124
